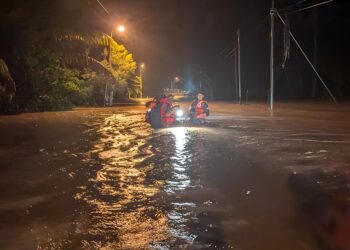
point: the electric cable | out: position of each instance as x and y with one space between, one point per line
292 5
308 60
307 8
260 25
103 7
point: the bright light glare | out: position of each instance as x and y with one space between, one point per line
142 65
179 113
121 28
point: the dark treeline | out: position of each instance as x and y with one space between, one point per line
54 55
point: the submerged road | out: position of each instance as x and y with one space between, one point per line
102 179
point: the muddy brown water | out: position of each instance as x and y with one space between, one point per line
102 179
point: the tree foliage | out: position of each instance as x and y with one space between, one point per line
58 56
71 70
7 87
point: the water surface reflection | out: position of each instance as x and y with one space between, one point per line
182 211
136 195
125 215
180 161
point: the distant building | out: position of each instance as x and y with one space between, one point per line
176 92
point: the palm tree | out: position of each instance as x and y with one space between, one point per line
7 84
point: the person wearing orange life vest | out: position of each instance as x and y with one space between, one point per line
150 105
199 110
167 110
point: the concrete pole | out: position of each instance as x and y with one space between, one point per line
272 36
105 96
239 66
315 54
235 75
141 81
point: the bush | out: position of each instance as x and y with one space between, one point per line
55 87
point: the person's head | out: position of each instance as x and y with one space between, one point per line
200 96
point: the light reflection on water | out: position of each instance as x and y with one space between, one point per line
124 214
127 193
182 212
180 179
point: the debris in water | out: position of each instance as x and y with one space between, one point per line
208 203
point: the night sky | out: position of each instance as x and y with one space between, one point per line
179 37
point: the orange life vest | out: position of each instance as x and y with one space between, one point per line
166 106
198 108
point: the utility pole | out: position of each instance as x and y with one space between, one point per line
141 82
272 36
239 66
235 75
142 66
315 54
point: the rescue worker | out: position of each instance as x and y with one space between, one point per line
167 110
150 105
199 110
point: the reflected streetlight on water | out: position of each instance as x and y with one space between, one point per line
180 179
181 212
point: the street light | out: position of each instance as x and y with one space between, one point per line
142 66
175 80
121 28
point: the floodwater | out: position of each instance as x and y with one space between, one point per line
102 179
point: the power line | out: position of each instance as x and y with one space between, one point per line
224 50
258 27
292 5
307 59
103 7
309 7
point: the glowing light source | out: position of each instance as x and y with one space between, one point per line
121 28
179 113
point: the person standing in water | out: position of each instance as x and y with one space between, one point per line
199 110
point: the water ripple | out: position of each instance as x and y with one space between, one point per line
132 195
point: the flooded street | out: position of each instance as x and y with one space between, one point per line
103 179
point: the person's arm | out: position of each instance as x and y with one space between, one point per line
194 103
193 106
205 107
